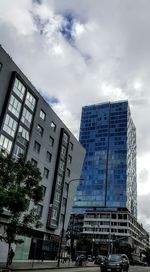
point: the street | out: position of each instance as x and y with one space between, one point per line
92 269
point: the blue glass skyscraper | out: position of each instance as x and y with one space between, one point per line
108 134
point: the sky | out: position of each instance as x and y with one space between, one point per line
85 52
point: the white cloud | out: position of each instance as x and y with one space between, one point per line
107 60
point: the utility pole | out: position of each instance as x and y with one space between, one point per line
63 223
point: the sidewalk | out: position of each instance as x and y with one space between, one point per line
38 265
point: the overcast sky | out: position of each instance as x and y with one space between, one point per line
84 52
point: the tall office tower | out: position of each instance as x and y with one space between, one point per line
29 126
108 134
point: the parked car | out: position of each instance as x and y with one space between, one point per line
81 259
90 258
99 259
115 262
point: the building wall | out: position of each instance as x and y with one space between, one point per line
28 125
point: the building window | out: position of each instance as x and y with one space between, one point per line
30 101
63 151
5 143
14 106
53 126
23 136
34 162
51 141
18 151
64 201
48 156
71 146
26 117
43 190
68 173
69 159
40 130
54 214
37 147
61 165
46 173
10 125
1 66
65 138
19 88
59 180
57 196
42 115
39 210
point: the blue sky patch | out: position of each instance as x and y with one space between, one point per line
51 100
66 29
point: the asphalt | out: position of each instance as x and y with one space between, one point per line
39 265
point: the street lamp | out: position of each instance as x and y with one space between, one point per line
63 223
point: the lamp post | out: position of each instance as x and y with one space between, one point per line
63 223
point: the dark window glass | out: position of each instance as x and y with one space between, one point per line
40 130
51 141
48 156
37 147
71 146
69 159
17 152
43 190
34 162
1 66
46 173
68 172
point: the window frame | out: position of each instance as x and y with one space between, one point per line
40 130
10 129
48 156
34 147
53 126
46 173
42 115
51 141
30 101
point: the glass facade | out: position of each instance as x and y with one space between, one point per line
108 134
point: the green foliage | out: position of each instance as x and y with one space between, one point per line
19 183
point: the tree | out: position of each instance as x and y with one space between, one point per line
19 183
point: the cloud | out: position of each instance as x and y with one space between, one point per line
79 53
143 211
